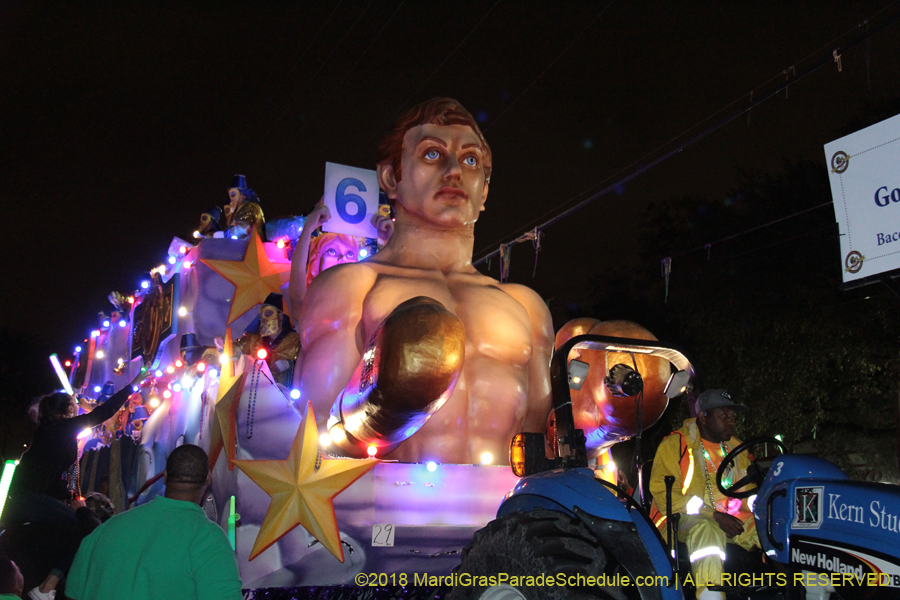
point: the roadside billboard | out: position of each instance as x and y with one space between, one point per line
864 169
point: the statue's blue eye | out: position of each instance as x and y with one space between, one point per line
432 155
471 161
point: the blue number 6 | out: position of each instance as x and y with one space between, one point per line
341 200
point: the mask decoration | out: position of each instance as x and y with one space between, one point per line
273 333
269 321
210 222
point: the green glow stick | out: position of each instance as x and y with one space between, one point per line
232 520
5 480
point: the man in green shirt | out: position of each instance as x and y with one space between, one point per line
166 549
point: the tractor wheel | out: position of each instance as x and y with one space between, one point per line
535 544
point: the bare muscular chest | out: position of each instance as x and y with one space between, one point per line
497 326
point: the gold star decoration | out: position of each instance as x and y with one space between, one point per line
254 277
223 432
303 488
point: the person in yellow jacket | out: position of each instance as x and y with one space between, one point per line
709 520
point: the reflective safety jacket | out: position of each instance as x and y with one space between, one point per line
681 455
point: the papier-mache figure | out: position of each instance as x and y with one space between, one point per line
239 193
272 331
249 216
210 223
413 351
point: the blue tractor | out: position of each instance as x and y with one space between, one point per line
562 532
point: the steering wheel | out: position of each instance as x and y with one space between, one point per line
755 473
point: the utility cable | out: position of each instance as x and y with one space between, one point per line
696 138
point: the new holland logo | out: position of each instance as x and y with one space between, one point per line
808 507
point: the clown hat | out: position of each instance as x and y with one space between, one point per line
239 182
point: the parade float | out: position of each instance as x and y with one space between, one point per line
268 476
314 486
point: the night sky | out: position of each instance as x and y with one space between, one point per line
122 123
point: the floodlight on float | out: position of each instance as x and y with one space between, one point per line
212 373
677 385
98 389
176 387
363 253
123 323
145 284
197 235
68 363
372 451
154 402
187 264
183 249
486 458
431 466
106 322
95 333
172 260
182 311
201 366
280 243
324 439
77 349
624 381
158 373
295 394
100 354
262 353
179 363
578 371
170 369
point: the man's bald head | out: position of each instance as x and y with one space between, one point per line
187 473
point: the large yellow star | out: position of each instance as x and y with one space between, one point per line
223 432
254 278
303 488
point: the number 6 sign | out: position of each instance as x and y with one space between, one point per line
351 194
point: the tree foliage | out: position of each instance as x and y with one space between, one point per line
762 315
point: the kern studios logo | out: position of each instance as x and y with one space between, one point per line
853 262
808 507
839 162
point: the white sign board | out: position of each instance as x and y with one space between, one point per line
865 185
351 194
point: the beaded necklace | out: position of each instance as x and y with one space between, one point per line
726 478
251 405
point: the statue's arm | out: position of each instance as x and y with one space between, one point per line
539 395
330 328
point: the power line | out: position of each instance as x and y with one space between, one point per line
785 72
709 245
828 59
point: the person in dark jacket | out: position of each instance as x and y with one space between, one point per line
43 490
